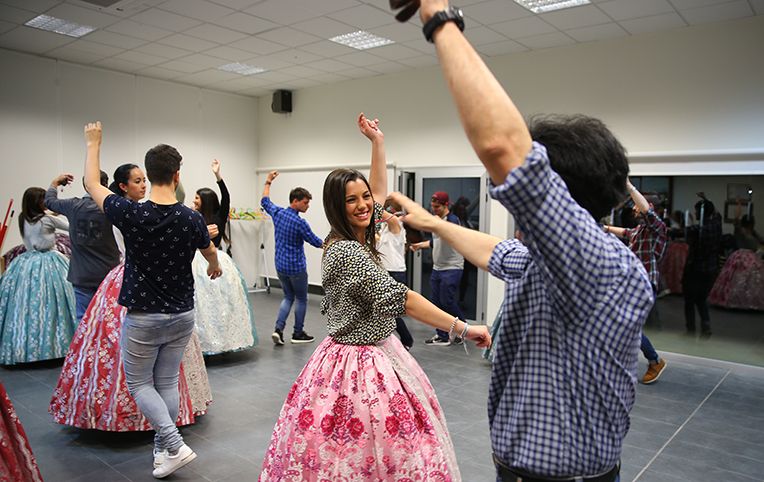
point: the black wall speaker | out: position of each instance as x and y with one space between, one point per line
282 101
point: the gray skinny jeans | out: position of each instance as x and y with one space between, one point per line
152 346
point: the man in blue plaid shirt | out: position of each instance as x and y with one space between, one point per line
564 373
291 232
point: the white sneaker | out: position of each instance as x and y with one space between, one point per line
159 457
174 462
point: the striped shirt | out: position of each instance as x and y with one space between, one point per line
564 372
291 231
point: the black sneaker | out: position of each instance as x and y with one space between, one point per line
277 337
302 337
437 341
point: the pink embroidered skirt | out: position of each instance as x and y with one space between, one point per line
361 413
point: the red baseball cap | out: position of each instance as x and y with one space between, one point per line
440 197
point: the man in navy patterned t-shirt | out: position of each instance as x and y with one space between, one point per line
161 238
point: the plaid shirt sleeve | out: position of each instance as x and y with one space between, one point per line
509 260
269 207
563 239
660 233
309 236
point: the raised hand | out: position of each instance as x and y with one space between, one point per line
370 128
62 180
416 216
216 168
271 176
93 133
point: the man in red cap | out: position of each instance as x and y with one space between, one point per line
447 268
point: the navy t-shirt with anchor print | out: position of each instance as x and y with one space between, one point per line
160 243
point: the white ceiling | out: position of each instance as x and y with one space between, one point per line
186 40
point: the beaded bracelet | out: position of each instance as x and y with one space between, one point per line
463 335
451 333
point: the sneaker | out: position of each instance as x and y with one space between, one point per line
302 337
174 462
436 340
277 337
159 457
457 341
654 371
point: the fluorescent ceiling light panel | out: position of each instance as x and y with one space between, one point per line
60 26
361 40
541 6
243 69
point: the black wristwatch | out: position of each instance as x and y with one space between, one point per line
453 14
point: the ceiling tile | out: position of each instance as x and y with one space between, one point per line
328 65
758 6
300 71
523 27
327 49
421 45
358 73
547 40
268 62
38 6
163 50
210 76
651 24
295 84
274 76
237 4
583 16
685 4
6 26
244 82
483 35
96 48
204 60
495 11
328 6
213 33
159 73
74 55
182 66
364 17
81 15
114 39
421 61
27 39
399 32
258 46
188 43
597 32
245 23
138 30
388 67
329 78
284 12
198 9
16 15
140 58
229 53
288 36
501 48
394 52
625 9
717 13
120 65
323 27
359 59
166 20
293 56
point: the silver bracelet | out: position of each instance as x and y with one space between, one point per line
451 333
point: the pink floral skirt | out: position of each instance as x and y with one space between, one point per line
671 267
741 282
17 462
360 413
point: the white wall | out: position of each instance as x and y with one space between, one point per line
44 105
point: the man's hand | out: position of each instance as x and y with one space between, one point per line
271 176
212 229
420 245
213 270
93 134
62 180
416 216
370 128
216 169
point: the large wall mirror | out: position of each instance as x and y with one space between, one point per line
735 291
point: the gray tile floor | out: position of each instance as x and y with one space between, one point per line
702 421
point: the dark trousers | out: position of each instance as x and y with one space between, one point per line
445 293
400 325
696 286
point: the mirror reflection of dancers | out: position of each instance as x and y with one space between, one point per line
161 238
37 304
224 319
94 363
362 408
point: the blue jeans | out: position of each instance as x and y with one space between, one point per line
152 346
445 293
647 349
82 297
400 325
295 286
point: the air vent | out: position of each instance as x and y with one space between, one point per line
118 7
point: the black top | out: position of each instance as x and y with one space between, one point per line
160 243
94 251
221 217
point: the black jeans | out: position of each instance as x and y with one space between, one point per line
400 325
696 286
